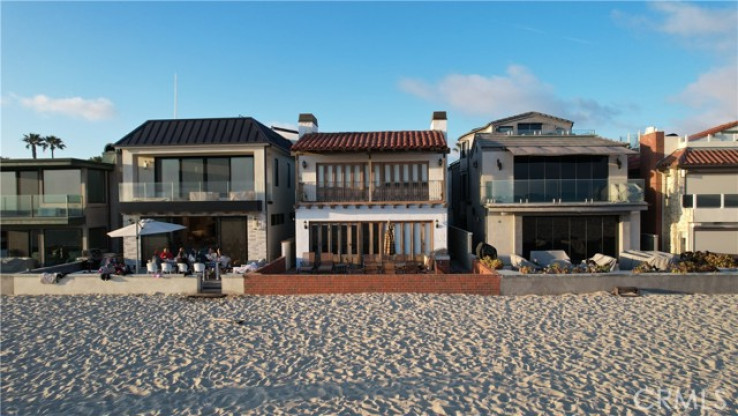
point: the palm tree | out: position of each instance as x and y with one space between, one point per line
32 140
54 143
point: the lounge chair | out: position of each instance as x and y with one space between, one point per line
307 265
326 263
548 258
519 261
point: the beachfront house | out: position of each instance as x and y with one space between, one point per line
52 210
229 181
697 189
354 188
531 182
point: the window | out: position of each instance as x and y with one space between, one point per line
8 184
180 176
276 172
687 201
569 178
98 238
97 189
504 129
731 200
62 182
62 246
277 219
529 128
708 201
289 175
581 236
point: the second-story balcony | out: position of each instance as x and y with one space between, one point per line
360 192
186 191
203 197
41 208
558 191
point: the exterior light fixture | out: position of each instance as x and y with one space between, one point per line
438 225
304 164
305 225
440 162
619 163
499 164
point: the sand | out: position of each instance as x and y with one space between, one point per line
368 354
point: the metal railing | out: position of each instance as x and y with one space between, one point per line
557 191
41 206
186 191
363 192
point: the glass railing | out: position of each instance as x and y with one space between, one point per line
362 192
187 191
41 206
561 190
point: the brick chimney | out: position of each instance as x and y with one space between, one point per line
652 151
306 124
439 122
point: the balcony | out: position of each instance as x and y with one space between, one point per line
36 209
193 196
360 192
558 191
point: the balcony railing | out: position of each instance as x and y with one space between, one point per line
186 191
561 191
362 192
41 206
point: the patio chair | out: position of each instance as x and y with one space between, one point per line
199 269
183 268
308 263
152 268
356 266
326 263
167 267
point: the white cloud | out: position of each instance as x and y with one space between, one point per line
696 27
518 91
713 97
90 109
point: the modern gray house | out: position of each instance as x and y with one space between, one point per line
530 182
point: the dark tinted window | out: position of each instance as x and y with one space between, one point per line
687 201
708 201
731 200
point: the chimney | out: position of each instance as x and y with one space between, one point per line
306 124
438 122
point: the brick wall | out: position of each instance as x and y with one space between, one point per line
652 151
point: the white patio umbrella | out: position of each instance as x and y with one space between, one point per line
145 226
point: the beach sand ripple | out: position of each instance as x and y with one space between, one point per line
367 354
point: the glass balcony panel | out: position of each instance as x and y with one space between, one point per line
41 206
187 191
561 190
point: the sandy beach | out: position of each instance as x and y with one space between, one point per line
369 354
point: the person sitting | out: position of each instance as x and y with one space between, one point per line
182 256
166 255
157 259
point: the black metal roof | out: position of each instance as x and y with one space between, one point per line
235 130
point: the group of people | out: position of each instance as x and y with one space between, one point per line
189 257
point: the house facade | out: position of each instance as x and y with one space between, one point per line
354 187
54 209
699 190
229 181
530 182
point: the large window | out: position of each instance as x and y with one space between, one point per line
97 189
62 246
530 128
581 237
569 178
409 238
220 175
8 183
62 182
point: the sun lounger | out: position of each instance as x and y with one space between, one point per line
602 260
519 261
658 260
547 258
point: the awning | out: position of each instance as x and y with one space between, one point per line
567 151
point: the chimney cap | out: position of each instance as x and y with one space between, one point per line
307 118
439 115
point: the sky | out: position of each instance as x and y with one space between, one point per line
91 72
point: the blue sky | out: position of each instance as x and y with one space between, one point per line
92 72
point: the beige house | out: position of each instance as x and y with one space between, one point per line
530 182
700 191
229 181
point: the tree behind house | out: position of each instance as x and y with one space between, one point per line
54 143
32 140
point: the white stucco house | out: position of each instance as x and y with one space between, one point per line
353 186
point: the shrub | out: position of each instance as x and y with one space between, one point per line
494 264
643 268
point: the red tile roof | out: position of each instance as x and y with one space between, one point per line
698 157
416 140
714 130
